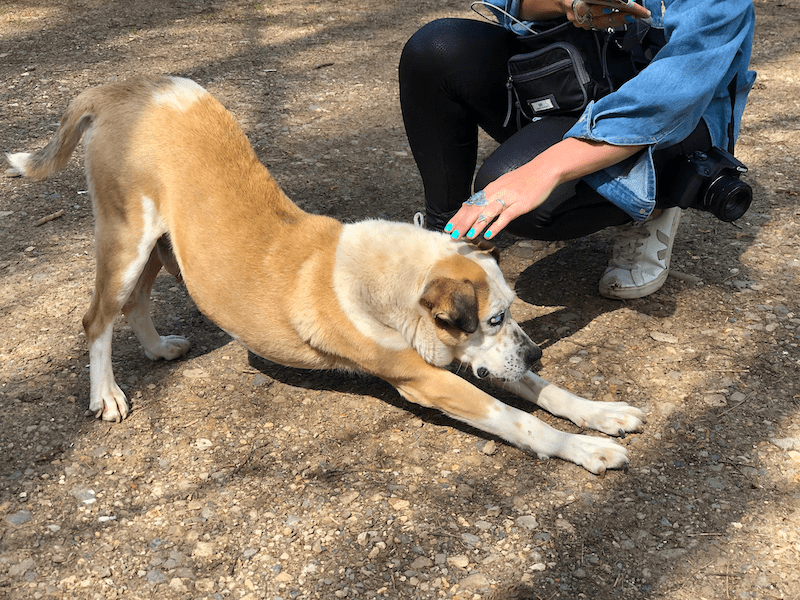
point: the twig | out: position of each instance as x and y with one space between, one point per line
49 218
726 411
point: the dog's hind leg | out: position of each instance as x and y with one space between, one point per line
124 248
137 308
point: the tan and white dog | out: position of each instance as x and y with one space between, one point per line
175 183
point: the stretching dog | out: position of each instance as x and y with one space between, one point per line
175 183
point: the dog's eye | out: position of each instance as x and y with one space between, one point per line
497 319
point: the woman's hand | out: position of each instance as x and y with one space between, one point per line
523 189
605 15
583 14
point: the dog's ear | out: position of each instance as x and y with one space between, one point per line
452 303
486 247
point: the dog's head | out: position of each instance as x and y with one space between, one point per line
468 302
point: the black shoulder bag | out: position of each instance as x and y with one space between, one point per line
562 67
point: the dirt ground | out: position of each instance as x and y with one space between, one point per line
235 478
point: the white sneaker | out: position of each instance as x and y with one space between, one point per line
640 263
419 219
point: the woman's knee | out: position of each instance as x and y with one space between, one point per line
444 43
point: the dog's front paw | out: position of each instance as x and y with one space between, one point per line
595 454
612 418
110 404
169 347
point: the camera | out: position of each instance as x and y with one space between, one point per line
710 182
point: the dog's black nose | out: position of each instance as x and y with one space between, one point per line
533 354
483 372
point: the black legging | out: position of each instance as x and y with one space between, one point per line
452 81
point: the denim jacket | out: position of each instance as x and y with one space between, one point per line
708 42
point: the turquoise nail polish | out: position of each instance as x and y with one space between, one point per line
607 11
487 235
471 233
630 19
448 228
455 234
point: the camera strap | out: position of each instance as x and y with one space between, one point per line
732 94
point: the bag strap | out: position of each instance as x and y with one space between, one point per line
504 12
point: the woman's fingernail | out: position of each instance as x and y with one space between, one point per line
448 228
455 234
608 11
471 233
487 235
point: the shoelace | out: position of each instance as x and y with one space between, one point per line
626 247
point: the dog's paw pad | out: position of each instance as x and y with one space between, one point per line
596 454
614 418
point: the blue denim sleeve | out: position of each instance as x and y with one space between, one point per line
707 43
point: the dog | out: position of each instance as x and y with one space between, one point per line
175 183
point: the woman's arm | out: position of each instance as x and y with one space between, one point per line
525 188
540 10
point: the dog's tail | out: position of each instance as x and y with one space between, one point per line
54 156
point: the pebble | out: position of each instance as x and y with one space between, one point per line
203 549
461 561
664 338
21 567
527 521
475 581
83 494
20 517
155 576
785 443
421 563
489 448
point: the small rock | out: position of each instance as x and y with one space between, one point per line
203 549
347 498
194 373
474 582
421 563
20 517
489 448
155 576
527 521
398 504
178 585
784 443
460 561
664 338
83 494
21 567
715 400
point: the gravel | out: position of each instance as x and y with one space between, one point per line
237 478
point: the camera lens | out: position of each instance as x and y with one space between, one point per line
728 198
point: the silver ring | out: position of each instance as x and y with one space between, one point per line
503 204
586 17
482 218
